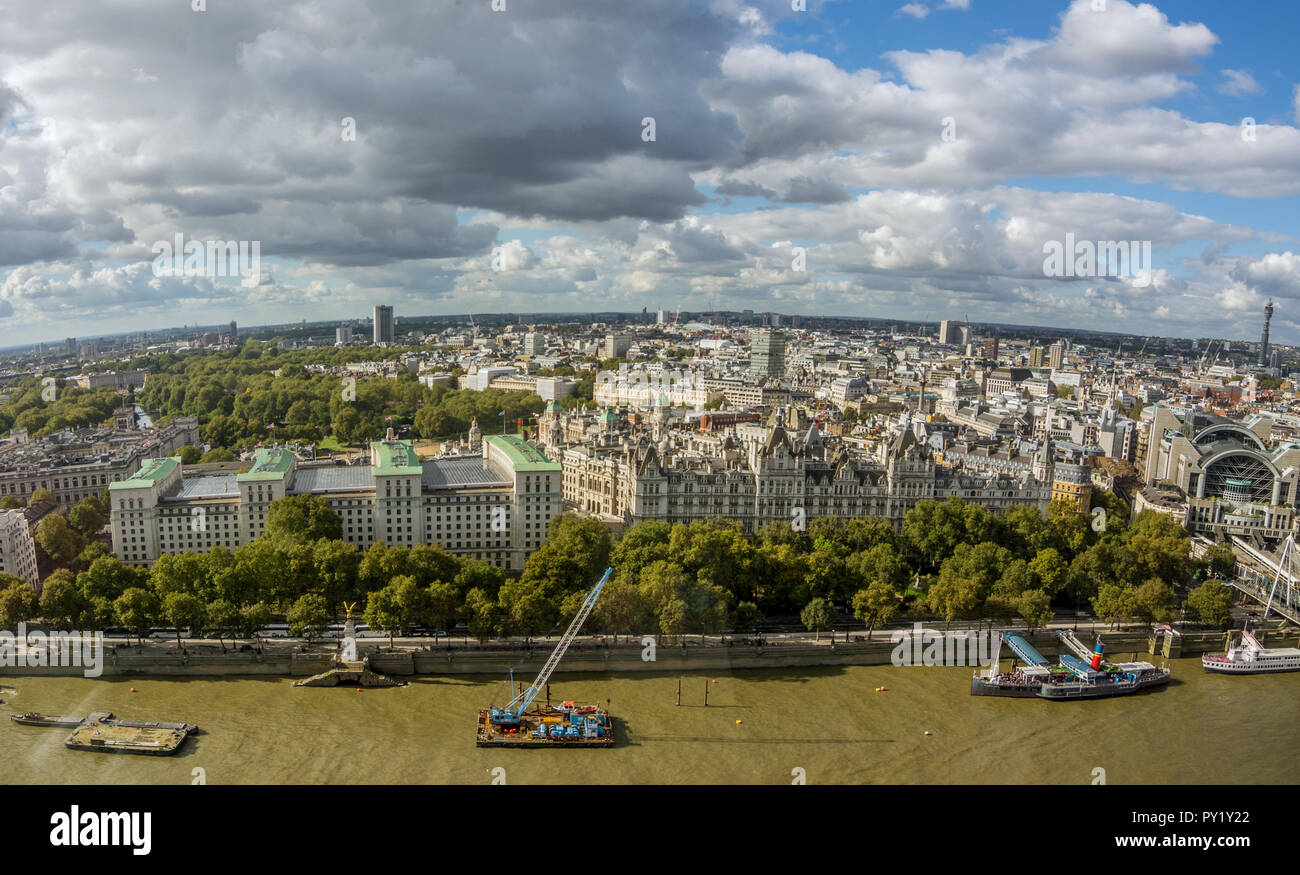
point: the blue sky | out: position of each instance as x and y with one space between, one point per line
514 140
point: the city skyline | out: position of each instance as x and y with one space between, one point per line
911 161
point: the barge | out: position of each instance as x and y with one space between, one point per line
102 732
1251 657
1073 678
566 725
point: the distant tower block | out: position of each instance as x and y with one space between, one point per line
1263 341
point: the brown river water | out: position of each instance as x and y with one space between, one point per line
760 727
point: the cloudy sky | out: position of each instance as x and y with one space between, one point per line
920 154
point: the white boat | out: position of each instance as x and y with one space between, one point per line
1251 657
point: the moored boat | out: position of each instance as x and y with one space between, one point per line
1073 678
1251 657
31 718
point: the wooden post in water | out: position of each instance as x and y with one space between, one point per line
706 692
679 692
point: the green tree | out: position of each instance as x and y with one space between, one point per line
380 564
86 517
18 602
392 608
1210 603
1048 571
622 608
481 614
40 495
308 617
1113 603
817 615
62 603
882 563
1117 514
746 617
717 553
934 528
479 574
217 454
224 618
644 542
253 618
181 573
136 610
183 610
337 564
1154 600
1035 608
108 578
876 605
300 519
953 597
189 455
60 542
442 603
1071 528
526 603
1220 559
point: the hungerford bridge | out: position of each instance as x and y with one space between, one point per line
1273 581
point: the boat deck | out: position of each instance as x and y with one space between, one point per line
491 735
157 739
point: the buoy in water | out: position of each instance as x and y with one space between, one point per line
927 732
133 689
714 681
738 722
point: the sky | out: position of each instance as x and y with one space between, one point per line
909 160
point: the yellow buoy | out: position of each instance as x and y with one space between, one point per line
738 722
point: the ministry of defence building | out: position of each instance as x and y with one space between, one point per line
492 506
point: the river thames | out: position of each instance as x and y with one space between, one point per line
829 725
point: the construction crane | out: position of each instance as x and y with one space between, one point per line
515 708
1200 368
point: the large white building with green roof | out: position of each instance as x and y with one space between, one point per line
494 506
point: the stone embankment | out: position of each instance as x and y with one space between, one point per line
594 657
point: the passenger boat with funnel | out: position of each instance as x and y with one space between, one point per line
1251 657
1080 675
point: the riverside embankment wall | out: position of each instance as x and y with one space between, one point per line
457 661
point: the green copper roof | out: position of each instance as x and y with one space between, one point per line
151 471
396 457
270 464
523 456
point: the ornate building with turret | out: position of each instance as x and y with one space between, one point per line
624 469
